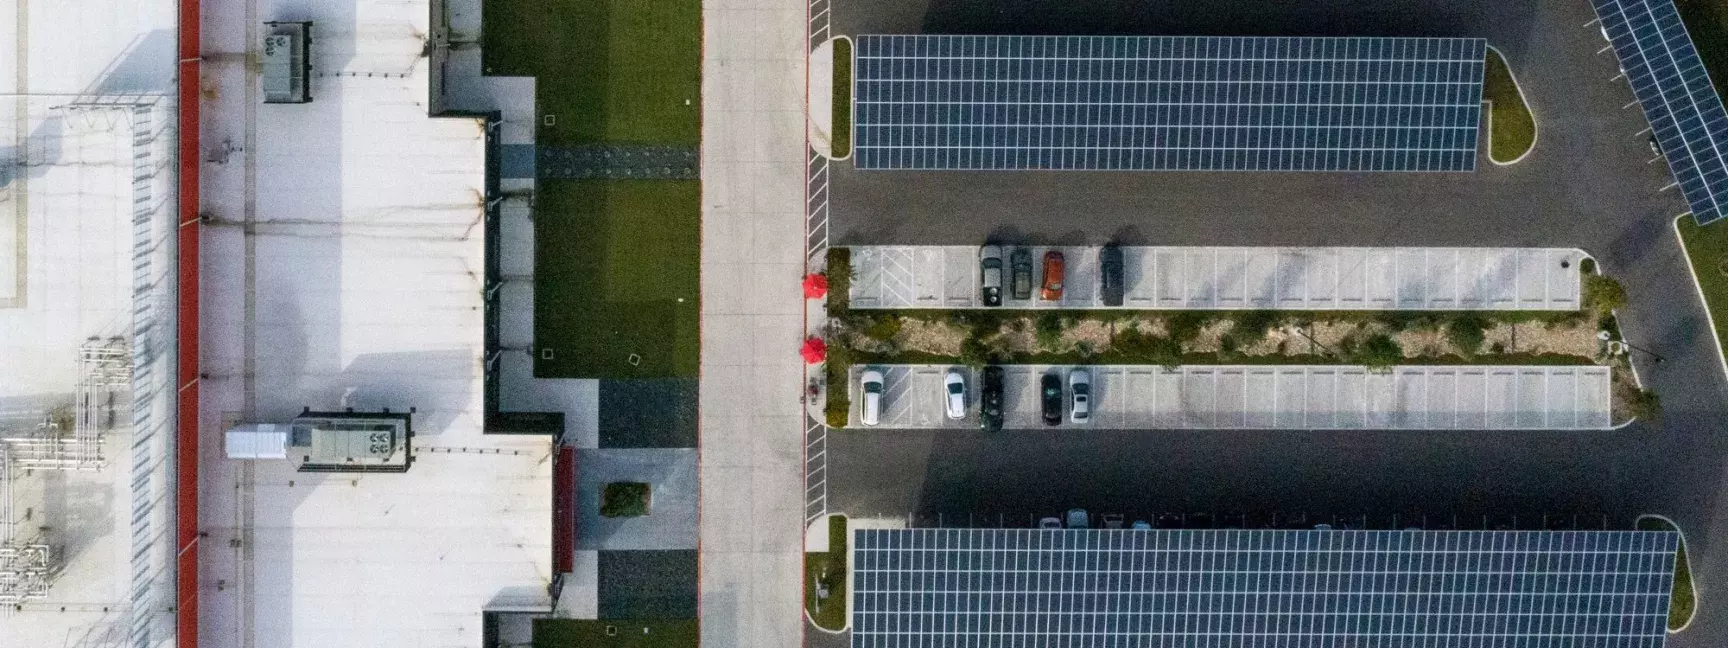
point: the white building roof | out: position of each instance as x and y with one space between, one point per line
361 287
86 216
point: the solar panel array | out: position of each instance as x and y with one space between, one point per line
1671 84
1168 103
968 588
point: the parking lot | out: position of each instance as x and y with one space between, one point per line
1591 182
1236 278
1266 397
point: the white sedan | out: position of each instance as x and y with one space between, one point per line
954 388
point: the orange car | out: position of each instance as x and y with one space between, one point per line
1052 289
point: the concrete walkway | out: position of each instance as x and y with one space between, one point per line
751 422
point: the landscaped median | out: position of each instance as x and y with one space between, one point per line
1377 340
825 579
1684 602
1511 126
1707 252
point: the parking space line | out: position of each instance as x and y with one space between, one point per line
1231 278
1268 397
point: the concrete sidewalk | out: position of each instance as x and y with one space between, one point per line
751 422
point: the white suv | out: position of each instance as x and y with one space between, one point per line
871 385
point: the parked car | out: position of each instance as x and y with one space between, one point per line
1110 275
1051 398
871 385
1140 525
1052 288
1050 523
1079 396
1112 520
1169 521
955 387
990 267
990 400
1078 519
1655 148
1020 270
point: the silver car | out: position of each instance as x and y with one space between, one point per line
990 275
871 386
1079 396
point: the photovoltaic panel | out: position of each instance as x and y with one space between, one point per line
1671 84
1167 103
989 588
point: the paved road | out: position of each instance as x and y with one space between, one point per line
1588 184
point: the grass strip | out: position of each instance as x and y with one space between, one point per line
1512 129
615 633
841 138
1681 605
1707 22
1707 249
616 275
606 71
829 569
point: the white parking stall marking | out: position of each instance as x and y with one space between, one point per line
1237 278
1262 397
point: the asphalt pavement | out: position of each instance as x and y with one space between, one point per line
1590 183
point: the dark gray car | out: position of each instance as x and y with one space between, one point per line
1110 275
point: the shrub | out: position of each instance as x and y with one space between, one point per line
884 328
1085 350
1135 347
1249 329
1603 294
974 353
1644 405
1467 332
839 272
1048 329
1378 351
624 499
838 408
1185 326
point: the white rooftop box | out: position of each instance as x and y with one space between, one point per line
258 441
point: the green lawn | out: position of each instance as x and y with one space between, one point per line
589 633
614 71
1707 249
841 144
612 260
1681 606
1512 128
1707 22
831 568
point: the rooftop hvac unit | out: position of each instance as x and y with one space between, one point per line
287 62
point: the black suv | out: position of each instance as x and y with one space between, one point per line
1110 274
990 400
1051 395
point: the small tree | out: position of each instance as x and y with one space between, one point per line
1467 332
1048 329
1603 294
1378 352
1644 404
974 353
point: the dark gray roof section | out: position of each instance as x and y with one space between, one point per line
1671 84
1247 588
1168 103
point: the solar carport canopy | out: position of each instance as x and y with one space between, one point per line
1671 84
1246 588
1168 103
